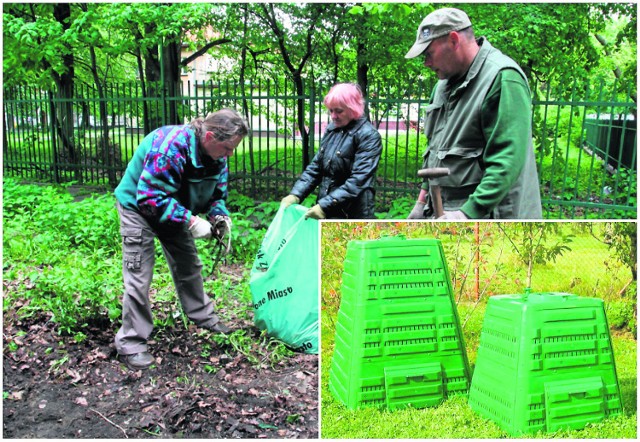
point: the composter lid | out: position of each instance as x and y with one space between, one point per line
547 299
392 241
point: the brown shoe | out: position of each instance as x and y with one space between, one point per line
138 361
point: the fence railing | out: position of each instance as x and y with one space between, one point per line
585 145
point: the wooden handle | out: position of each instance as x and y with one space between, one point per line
433 172
436 200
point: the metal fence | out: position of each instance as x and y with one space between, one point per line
585 145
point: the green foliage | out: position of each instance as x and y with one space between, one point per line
621 315
63 258
536 243
622 240
400 209
51 244
250 223
331 41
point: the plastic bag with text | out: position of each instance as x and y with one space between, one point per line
284 280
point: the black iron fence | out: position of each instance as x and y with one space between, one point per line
585 146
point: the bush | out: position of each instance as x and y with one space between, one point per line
63 258
621 315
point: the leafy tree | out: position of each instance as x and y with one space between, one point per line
154 34
622 239
42 32
536 243
49 44
294 28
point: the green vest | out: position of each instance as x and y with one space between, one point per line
453 127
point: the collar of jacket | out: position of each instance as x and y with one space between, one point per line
352 126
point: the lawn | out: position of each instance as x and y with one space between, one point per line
588 269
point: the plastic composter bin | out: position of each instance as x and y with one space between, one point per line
544 362
398 340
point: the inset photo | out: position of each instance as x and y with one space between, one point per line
478 330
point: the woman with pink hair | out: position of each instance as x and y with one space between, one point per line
344 168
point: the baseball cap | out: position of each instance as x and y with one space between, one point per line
435 25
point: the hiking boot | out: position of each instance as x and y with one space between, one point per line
138 361
218 327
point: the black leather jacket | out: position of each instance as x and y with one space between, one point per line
344 171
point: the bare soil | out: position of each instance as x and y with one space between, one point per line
55 387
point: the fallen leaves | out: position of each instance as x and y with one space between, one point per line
182 396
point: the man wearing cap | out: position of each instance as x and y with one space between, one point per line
478 125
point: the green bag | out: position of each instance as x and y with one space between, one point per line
284 280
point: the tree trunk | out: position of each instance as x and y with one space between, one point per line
363 74
153 117
105 151
64 108
245 107
307 149
171 67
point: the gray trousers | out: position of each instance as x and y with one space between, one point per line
138 250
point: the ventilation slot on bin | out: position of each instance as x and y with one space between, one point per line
398 339
544 363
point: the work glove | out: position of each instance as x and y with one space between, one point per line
418 211
315 212
222 231
200 228
454 215
289 200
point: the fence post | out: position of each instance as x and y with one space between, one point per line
54 140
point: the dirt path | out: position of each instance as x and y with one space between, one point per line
55 387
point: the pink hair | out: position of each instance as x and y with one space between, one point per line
348 95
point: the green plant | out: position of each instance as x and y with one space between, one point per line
400 209
79 337
242 343
44 248
58 363
622 315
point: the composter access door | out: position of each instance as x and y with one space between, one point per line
415 386
574 403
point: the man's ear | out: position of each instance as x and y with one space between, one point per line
454 38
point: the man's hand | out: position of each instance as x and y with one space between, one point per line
418 211
200 228
315 212
455 215
289 200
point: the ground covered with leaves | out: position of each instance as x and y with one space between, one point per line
202 385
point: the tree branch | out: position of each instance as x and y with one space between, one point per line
202 50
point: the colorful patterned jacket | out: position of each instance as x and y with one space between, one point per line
168 180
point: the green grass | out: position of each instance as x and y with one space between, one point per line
454 418
589 269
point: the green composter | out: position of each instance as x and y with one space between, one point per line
398 339
545 362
